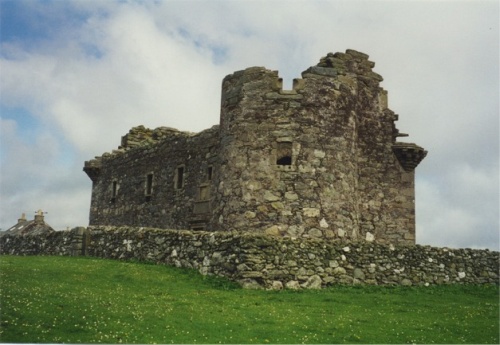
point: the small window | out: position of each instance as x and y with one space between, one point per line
284 153
114 190
149 184
209 173
204 193
179 177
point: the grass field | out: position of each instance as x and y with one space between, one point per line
87 300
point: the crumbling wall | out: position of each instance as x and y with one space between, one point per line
341 178
262 261
159 178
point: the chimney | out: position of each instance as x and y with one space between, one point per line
22 219
39 217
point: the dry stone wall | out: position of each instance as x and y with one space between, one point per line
72 243
262 261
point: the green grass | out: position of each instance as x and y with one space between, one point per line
87 300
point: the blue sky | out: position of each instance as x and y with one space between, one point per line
77 75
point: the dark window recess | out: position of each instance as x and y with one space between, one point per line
179 181
114 188
209 173
284 153
149 184
286 160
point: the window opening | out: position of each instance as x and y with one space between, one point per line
285 160
179 180
114 188
209 173
204 193
284 153
149 184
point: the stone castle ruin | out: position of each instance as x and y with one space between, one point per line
304 188
321 160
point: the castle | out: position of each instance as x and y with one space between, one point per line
319 161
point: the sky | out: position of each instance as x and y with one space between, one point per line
75 76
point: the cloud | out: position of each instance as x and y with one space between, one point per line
460 208
35 175
24 158
140 77
85 72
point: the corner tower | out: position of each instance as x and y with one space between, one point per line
320 160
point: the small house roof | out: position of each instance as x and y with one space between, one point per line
25 227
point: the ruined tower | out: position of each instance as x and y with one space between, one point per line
320 160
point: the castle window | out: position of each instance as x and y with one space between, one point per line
284 153
114 190
209 173
204 193
149 186
179 177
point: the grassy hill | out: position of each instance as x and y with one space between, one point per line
88 300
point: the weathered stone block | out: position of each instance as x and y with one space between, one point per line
339 271
310 212
358 274
315 233
314 282
250 284
292 285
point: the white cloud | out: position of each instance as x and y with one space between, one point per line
35 177
25 159
143 77
459 209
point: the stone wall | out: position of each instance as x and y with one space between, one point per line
72 242
258 260
159 178
341 178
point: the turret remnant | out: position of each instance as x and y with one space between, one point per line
409 155
351 61
93 169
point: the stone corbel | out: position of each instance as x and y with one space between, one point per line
409 155
93 169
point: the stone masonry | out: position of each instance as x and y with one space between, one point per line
264 261
318 161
